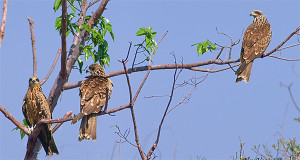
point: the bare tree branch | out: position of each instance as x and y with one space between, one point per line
92 3
63 39
163 118
68 114
213 71
3 22
52 67
12 119
31 24
132 111
157 67
97 14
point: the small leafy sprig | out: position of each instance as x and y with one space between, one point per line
21 132
203 47
149 41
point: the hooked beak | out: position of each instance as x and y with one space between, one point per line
88 70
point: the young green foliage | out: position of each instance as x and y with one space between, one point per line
96 46
21 132
203 47
150 42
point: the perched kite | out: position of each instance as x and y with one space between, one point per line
36 107
93 98
256 40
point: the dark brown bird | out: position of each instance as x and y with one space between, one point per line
256 40
93 98
36 107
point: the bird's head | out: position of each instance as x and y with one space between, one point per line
256 13
96 70
33 81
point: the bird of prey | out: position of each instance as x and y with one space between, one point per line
93 98
36 107
256 40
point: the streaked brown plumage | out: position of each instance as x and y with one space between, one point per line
93 98
256 40
36 107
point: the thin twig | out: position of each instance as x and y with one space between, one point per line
136 134
52 67
128 82
31 25
3 22
124 136
284 58
126 59
291 94
136 52
293 45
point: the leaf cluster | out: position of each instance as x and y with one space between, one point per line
203 47
148 39
96 45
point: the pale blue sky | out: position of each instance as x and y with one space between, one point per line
219 111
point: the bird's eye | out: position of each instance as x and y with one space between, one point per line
37 80
92 68
30 79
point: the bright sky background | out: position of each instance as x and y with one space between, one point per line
219 111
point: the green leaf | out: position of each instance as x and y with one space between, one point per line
93 57
109 27
80 63
87 55
140 32
21 132
72 7
57 4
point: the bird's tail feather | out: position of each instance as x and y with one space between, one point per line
47 141
88 127
244 73
52 146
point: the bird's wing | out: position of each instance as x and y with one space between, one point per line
93 94
255 42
